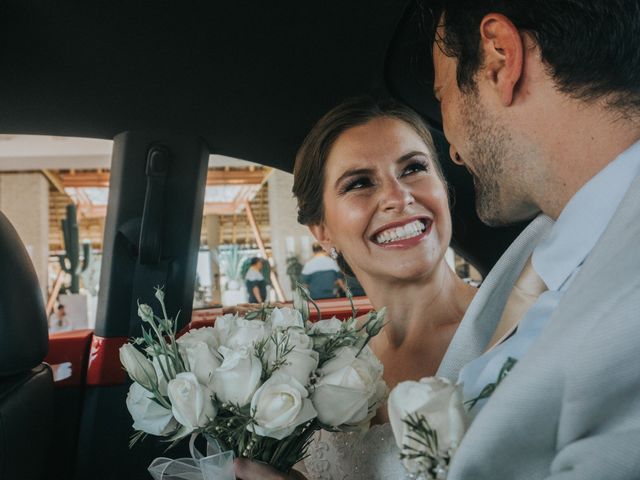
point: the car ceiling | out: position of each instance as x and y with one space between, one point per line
251 78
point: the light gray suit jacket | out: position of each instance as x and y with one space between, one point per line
570 408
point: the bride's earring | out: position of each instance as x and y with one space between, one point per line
333 253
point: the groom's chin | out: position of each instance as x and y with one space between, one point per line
495 214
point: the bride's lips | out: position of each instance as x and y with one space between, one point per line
403 242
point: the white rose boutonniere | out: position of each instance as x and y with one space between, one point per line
279 406
428 421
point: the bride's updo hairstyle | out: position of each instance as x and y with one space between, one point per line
308 171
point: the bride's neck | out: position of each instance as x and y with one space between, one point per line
419 306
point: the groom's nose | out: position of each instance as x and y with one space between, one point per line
455 156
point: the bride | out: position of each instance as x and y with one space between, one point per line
370 189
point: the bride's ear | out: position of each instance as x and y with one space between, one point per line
322 236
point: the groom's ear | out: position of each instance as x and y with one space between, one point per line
503 51
322 236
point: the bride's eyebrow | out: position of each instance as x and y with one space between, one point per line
369 171
410 155
353 173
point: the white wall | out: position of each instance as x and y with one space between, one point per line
24 199
287 235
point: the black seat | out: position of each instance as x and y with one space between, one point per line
26 384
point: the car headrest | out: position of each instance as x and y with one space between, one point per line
24 336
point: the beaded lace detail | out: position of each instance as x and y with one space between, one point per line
353 456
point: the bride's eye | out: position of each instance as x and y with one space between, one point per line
357 183
415 167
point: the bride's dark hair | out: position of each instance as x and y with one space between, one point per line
308 171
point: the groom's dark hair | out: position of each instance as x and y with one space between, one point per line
592 47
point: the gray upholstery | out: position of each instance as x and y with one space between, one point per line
26 384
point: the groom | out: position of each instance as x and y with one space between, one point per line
540 101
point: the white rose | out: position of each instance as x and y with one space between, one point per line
197 335
238 377
191 403
246 333
298 339
138 366
322 330
223 327
280 405
349 389
327 327
300 364
283 318
301 360
148 416
202 360
439 401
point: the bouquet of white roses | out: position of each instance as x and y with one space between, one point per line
428 420
258 384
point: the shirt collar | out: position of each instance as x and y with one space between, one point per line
584 219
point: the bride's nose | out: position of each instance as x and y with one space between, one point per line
396 196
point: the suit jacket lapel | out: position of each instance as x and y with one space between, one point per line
480 321
535 388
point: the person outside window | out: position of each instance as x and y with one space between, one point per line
322 275
58 322
255 282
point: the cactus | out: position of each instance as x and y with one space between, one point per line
70 262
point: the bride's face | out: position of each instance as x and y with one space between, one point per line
385 206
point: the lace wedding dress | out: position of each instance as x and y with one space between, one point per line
354 456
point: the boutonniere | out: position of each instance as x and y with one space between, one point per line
429 419
488 389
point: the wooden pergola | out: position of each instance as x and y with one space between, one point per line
229 192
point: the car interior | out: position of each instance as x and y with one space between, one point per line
172 83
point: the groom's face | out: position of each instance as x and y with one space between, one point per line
479 141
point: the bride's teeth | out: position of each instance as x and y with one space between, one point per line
405 231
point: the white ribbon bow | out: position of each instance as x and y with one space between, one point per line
216 465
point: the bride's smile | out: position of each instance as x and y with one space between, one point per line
385 204
402 234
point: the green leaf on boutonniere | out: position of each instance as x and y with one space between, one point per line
488 389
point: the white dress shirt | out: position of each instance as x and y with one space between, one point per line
557 260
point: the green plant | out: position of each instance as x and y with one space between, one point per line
71 262
230 261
